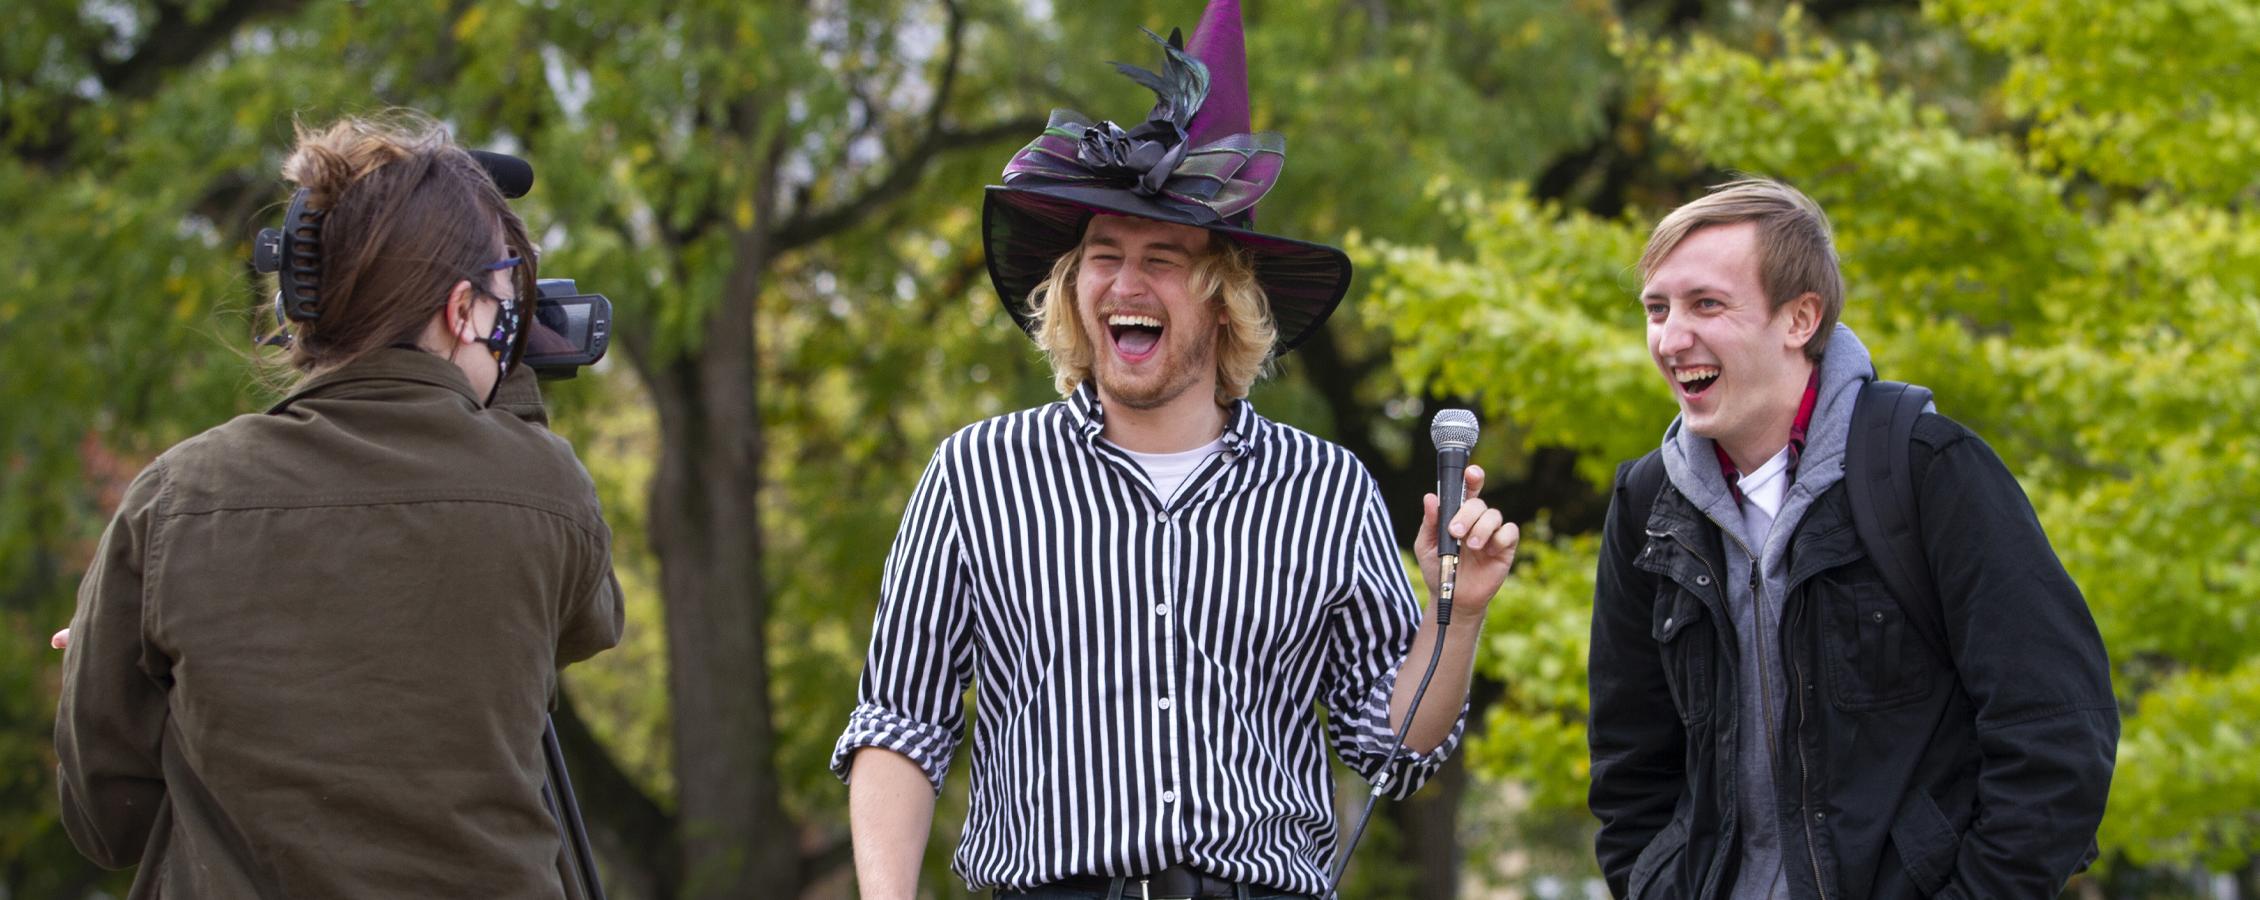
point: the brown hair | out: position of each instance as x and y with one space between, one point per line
1225 273
1796 249
406 214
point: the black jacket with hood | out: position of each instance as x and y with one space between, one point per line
1898 773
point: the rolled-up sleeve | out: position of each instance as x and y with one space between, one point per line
1367 639
911 698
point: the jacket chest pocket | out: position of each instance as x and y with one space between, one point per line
1875 658
1684 636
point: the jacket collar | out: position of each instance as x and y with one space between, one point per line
389 364
1244 431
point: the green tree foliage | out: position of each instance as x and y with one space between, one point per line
2135 94
2071 266
781 199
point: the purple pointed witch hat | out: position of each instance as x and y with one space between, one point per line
1193 162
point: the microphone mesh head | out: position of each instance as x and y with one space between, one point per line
1453 428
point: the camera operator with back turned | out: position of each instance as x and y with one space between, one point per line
314 653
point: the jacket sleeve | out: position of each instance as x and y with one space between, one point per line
1368 636
911 699
593 613
2033 664
594 620
519 394
1637 742
111 721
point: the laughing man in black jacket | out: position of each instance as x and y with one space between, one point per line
1768 722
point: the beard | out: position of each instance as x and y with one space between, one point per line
1152 390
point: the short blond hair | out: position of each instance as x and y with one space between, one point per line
1225 274
1796 247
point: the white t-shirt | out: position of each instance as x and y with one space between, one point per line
1167 471
1762 492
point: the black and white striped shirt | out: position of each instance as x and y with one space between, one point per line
1149 673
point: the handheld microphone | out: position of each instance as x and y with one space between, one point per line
1454 432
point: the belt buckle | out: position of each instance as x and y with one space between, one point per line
1146 892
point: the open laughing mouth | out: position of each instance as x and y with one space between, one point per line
1136 337
1694 380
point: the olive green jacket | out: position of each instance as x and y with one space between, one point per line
314 652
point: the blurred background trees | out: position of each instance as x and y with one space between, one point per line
2044 210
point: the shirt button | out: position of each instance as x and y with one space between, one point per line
1161 518
1879 615
1164 703
1161 609
1168 796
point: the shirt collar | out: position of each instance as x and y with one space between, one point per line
1243 429
1797 428
386 364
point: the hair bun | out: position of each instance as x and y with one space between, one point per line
328 161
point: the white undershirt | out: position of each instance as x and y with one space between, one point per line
1167 471
1762 492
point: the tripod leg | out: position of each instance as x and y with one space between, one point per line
567 809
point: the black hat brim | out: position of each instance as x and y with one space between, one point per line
1025 230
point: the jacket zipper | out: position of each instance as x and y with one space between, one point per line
1804 776
1758 600
1797 736
1804 791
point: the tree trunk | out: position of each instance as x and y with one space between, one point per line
706 533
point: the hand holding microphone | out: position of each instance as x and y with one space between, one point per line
1455 520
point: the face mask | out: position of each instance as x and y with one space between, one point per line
503 342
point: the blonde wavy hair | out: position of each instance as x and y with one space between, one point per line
1225 273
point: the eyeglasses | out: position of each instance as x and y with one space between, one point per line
503 343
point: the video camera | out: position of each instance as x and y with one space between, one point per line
568 329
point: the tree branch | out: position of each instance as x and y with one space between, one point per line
805 228
169 44
953 51
174 42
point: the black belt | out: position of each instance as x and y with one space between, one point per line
1173 883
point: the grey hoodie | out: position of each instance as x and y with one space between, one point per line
1693 467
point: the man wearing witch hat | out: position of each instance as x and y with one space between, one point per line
1153 586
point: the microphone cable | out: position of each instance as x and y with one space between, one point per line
1451 570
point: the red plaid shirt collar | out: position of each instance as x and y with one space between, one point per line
1796 439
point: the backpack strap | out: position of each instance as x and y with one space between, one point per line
1880 480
